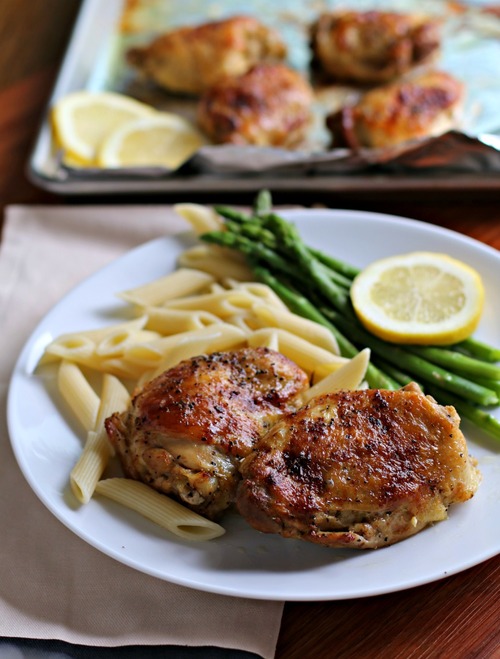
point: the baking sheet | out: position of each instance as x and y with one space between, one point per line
95 60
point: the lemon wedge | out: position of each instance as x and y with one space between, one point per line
163 139
421 298
81 120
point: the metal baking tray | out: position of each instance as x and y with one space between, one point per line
86 65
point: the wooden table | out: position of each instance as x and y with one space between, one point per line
457 617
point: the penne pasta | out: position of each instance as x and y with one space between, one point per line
72 347
150 354
176 321
266 338
90 466
270 316
223 337
244 320
121 368
222 304
324 370
216 288
218 262
80 346
160 509
114 344
97 449
349 376
78 394
181 282
261 292
304 353
100 333
201 218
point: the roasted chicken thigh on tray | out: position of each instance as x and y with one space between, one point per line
373 46
190 59
269 105
425 105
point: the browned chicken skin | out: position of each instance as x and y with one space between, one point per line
270 105
373 46
186 431
424 106
191 59
360 469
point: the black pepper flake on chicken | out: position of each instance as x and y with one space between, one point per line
390 464
186 431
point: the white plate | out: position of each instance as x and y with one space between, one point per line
244 562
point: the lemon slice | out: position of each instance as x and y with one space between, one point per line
81 120
163 139
420 298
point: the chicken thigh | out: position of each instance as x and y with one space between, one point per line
373 46
191 59
186 431
361 469
427 105
270 105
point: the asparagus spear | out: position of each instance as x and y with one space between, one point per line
312 269
414 364
475 348
263 203
250 248
459 362
255 223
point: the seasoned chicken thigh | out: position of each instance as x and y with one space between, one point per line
361 469
372 46
191 59
270 105
186 431
427 105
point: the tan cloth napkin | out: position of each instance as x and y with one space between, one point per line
52 584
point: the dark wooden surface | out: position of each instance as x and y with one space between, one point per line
456 617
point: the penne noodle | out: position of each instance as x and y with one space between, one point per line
324 370
304 353
176 321
114 344
349 376
121 368
151 354
90 466
307 329
262 292
181 282
97 449
222 304
78 394
244 321
100 333
80 346
160 509
266 338
219 262
201 218
71 347
224 337
114 398
216 288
